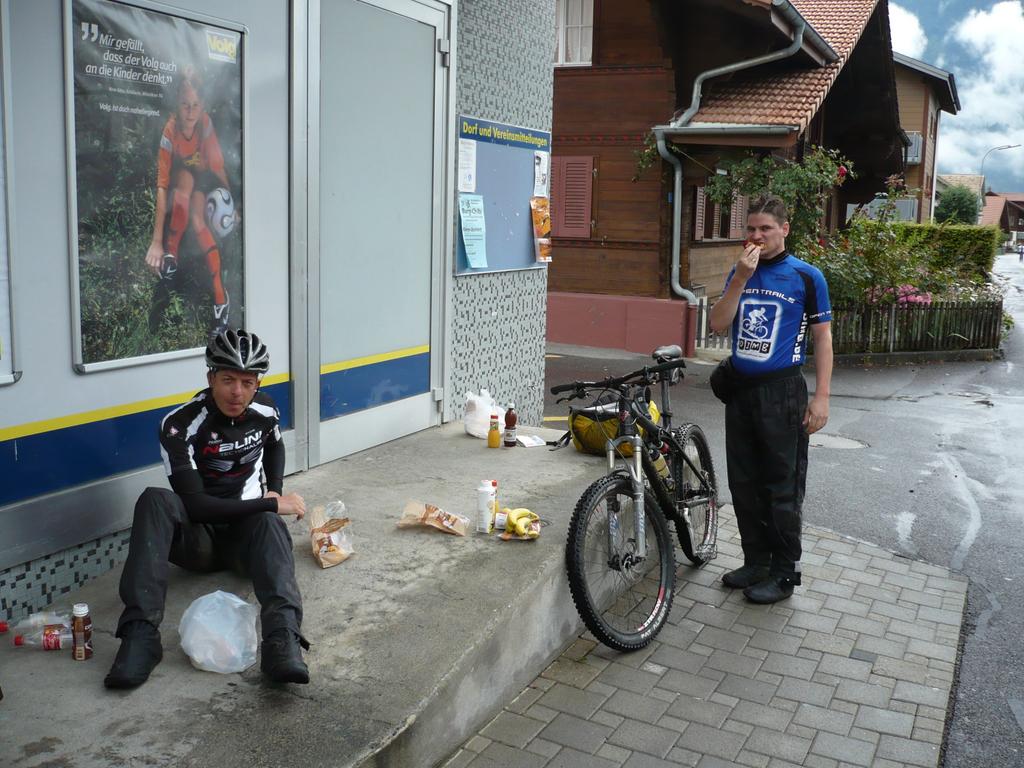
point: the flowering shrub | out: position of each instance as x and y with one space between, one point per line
905 294
805 187
873 261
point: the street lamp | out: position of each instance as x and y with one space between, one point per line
981 201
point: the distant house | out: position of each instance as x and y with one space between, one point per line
1006 211
972 181
925 92
716 78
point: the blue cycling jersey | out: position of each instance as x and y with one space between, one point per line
780 299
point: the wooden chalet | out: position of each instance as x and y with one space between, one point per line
925 92
1006 211
630 258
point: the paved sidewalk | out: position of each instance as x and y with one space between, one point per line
854 670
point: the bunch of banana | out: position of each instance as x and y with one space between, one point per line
522 522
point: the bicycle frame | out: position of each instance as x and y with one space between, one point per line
635 467
640 465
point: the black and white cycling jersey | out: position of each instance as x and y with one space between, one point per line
223 466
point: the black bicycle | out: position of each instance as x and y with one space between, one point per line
619 555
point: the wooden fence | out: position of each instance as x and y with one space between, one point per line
941 325
866 328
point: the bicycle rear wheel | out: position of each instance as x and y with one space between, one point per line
622 595
697 521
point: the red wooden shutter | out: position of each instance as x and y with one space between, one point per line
698 214
556 194
738 218
572 186
712 215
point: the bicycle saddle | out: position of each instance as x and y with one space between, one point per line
664 354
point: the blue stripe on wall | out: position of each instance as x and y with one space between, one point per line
355 389
63 458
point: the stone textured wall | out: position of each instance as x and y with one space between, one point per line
38 583
504 73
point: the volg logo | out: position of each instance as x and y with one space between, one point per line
222 46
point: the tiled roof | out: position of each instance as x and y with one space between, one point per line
790 98
972 181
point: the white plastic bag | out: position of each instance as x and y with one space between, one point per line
478 413
218 633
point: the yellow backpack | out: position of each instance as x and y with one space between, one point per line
592 426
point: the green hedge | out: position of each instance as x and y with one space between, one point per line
970 250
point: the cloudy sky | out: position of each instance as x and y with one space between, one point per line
982 43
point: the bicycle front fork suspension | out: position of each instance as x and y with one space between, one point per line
634 466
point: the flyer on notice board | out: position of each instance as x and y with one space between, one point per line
474 229
467 165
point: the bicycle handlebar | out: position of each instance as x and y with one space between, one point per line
615 382
560 388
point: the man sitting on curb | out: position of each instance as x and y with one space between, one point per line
224 457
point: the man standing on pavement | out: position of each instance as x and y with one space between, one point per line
770 298
224 457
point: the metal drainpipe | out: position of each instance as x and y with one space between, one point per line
791 15
800 26
677 217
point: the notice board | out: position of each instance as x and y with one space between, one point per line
501 168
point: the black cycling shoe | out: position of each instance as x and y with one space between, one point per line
281 659
771 590
139 653
744 577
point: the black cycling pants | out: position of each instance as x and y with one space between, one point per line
766 451
258 547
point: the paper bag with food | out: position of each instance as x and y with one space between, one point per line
330 534
418 513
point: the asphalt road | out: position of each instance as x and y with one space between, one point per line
924 460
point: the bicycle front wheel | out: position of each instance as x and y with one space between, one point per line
622 594
697 495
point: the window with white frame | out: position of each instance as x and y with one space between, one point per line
574 22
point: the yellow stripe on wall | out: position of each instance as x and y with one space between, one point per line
359 362
112 412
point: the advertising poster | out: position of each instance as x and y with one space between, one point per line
157 130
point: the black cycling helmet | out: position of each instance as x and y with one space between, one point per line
238 350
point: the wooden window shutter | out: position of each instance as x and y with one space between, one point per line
556 193
738 218
699 213
712 215
572 186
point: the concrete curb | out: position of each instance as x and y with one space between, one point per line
508 653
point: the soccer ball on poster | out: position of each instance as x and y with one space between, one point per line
220 212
